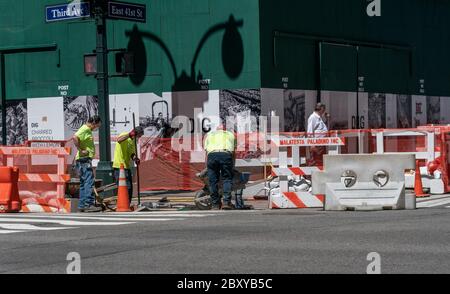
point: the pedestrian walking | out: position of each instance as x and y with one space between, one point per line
317 128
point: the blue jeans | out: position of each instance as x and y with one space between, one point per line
129 177
220 164
84 167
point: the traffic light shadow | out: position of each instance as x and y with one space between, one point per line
232 55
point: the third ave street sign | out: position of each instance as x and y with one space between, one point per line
67 12
127 11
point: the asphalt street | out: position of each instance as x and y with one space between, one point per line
230 242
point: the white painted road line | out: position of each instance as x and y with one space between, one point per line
24 223
433 203
10 232
68 217
62 222
27 227
206 212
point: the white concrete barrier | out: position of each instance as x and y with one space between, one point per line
364 182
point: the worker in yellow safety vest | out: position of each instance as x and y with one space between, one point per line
124 153
220 148
84 142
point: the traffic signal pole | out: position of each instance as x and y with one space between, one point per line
104 170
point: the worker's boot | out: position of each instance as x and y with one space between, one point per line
92 208
216 207
227 206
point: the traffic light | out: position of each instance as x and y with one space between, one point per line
125 63
90 64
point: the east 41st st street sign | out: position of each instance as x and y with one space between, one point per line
127 11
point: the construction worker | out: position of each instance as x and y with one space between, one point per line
84 142
124 153
220 148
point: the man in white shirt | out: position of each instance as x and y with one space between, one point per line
316 124
317 128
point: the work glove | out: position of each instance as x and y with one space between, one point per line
132 134
137 161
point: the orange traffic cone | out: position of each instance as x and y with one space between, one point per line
123 204
418 188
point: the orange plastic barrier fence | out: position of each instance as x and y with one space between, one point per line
42 178
9 191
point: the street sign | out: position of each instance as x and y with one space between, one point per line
127 11
67 11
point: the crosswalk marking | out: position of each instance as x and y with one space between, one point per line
101 218
26 227
433 203
23 223
10 232
146 217
63 222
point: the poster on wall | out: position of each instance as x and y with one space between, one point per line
292 106
445 110
377 113
433 110
46 119
77 110
121 109
391 111
294 111
419 104
155 114
151 111
404 111
16 122
342 108
239 106
201 107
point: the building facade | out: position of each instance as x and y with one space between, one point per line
375 64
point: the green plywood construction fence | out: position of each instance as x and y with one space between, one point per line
408 43
182 42
237 44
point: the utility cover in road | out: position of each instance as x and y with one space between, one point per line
127 11
67 11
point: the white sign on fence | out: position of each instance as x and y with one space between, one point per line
283 141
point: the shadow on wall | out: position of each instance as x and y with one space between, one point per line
232 55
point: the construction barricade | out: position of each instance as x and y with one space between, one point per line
439 168
293 190
164 167
42 178
9 191
365 182
428 144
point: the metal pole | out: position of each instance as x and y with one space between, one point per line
104 169
138 179
358 126
3 97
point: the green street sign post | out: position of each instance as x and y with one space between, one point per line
101 10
